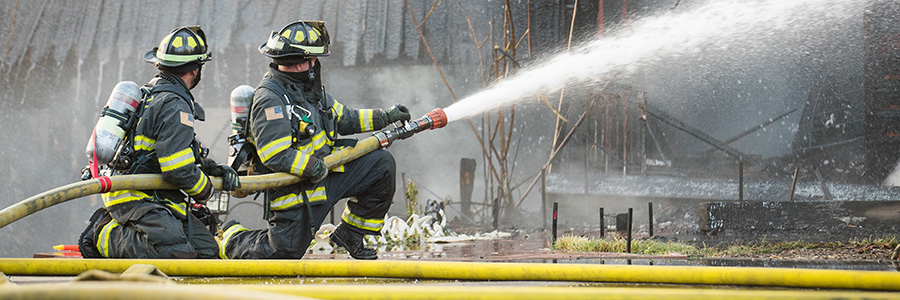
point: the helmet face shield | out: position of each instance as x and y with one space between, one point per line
276 42
302 38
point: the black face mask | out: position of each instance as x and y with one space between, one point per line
197 79
310 78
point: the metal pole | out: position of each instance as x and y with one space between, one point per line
405 192
555 210
544 197
650 210
628 241
741 180
793 184
602 224
496 213
587 163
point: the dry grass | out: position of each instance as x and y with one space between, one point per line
656 247
639 246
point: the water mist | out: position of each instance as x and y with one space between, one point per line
676 32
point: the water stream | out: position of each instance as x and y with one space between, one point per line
678 32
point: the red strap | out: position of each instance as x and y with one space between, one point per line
105 184
94 166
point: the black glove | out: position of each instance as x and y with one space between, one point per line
398 112
230 179
319 171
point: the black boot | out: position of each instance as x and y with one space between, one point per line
352 240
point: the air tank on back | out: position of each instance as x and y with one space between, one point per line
114 119
241 97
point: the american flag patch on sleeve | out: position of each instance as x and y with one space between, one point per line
187 119
274 113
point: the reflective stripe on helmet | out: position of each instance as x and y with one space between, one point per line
161 55
310 49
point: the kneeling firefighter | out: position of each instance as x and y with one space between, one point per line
163 223
293 123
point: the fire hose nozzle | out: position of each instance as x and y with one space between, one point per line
438 118
432 120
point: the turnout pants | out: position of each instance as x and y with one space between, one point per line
369 179
155 234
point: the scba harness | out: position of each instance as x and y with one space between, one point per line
111 150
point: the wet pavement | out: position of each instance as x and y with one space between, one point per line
533 247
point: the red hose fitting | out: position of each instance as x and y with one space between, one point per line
438 118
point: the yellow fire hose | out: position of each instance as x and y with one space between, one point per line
154 181
132 291
413 292
126 290
476 271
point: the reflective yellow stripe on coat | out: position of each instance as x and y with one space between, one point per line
103 240
290 200
118 197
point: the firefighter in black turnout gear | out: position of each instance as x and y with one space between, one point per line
162 223
290 101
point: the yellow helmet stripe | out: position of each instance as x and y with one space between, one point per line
181 57
311 49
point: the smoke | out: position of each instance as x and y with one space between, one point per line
671 34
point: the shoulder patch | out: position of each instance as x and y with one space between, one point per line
274 113
187 119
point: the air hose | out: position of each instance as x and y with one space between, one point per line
249 184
